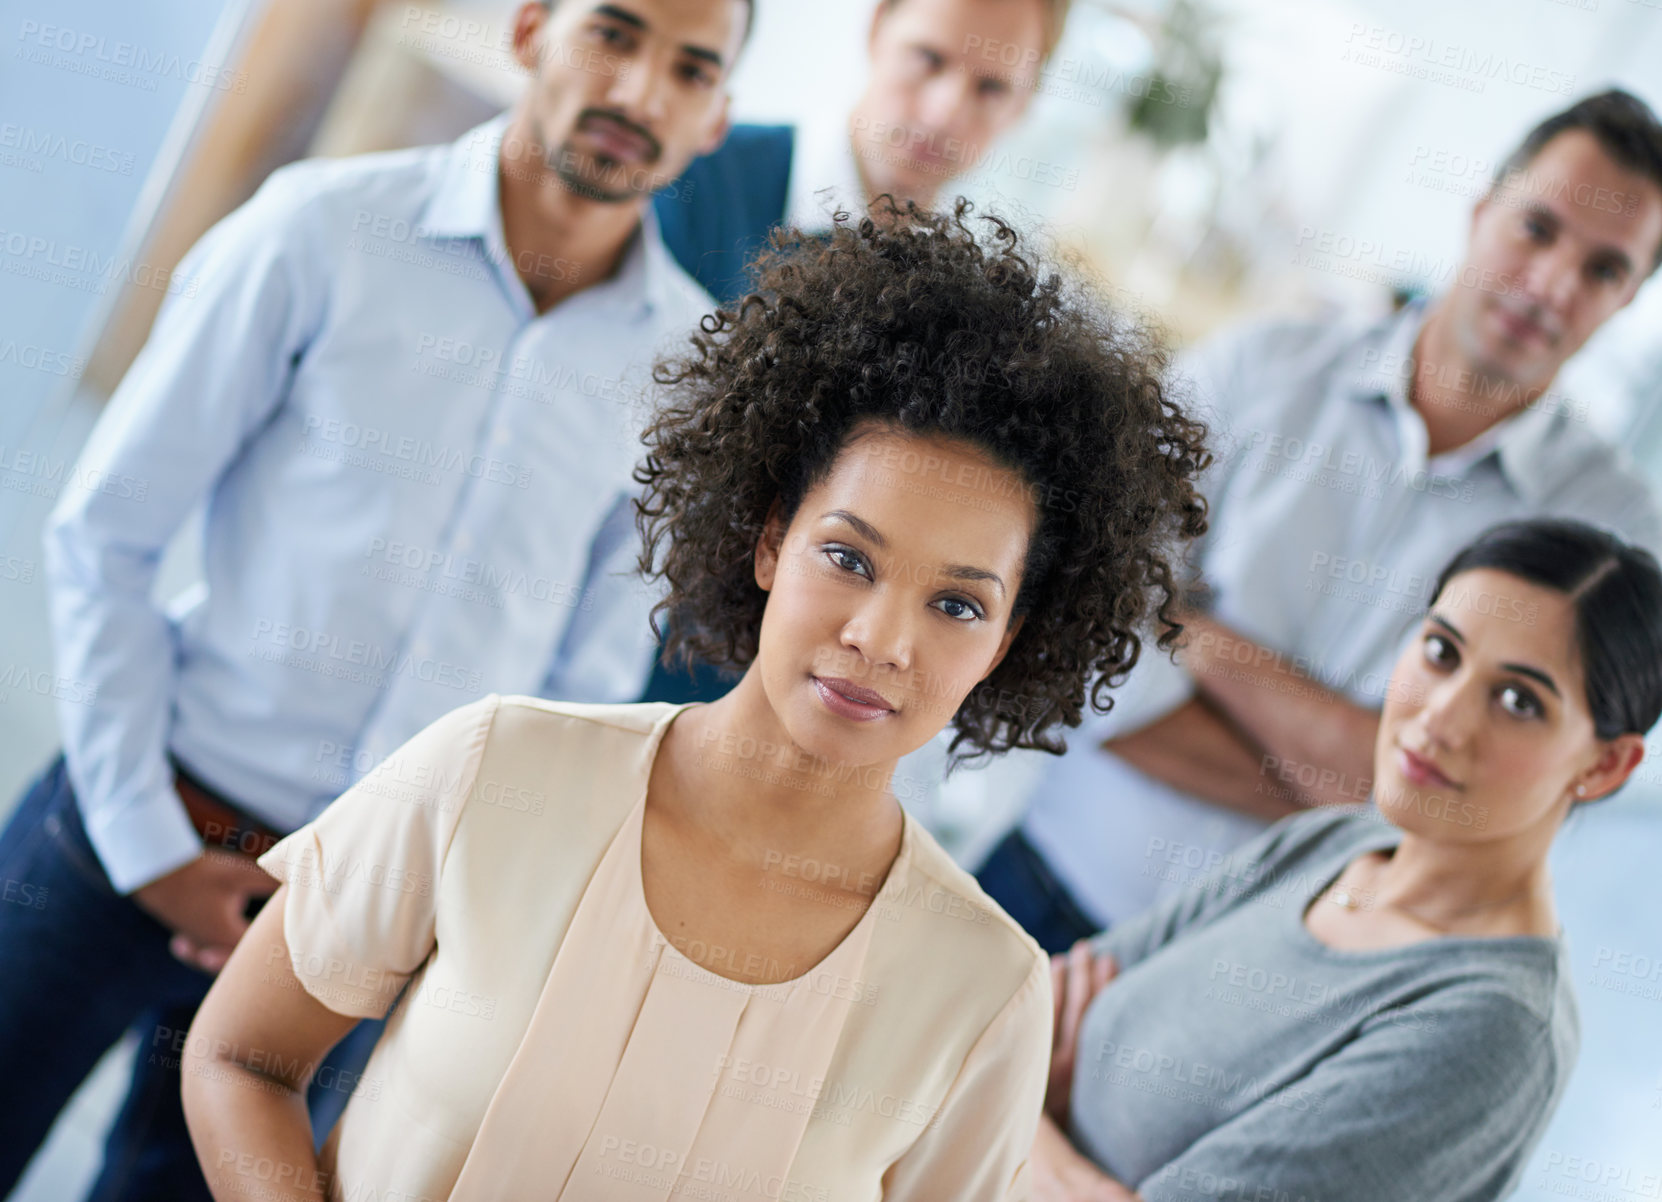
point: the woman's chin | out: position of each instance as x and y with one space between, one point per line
839 741
1395 798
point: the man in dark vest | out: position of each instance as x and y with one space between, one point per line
947 77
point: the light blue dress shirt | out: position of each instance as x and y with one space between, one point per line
1329 524
416 493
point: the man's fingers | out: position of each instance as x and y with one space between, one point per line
212 959
1103 971
207 958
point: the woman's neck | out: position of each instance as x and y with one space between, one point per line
741 762
1478 885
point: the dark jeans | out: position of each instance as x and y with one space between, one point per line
1018 879
80 964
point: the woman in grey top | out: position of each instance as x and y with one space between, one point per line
1373 1003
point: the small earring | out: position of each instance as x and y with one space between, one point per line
1581 790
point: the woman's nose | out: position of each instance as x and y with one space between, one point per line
1451 710
881 631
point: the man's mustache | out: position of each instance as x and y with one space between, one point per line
653 147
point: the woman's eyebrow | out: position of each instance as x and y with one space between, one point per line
1448 626
956 571
959 571
860 525
1534 674
1520 669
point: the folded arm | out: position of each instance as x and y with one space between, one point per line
1324 740
1197 749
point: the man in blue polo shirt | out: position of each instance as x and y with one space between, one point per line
404 385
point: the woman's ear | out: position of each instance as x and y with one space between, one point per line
768 545
1621 756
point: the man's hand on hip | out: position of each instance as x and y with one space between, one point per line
205 905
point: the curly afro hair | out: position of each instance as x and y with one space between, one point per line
908 318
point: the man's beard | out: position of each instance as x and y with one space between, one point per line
578 170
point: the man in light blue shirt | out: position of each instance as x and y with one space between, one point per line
407 388
1353 460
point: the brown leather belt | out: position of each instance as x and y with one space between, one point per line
220 824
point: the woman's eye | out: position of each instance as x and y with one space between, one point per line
1439 650
1520 702
847 560
964 611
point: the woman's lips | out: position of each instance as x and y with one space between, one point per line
1418 770
849 700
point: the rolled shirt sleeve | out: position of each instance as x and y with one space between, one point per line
216 366
363 876
977 1148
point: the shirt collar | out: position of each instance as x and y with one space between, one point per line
1385 358
467 204
1384 367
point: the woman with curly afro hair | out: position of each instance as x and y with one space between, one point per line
915 479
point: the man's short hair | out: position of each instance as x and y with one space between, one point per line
749 17
1055 17
1625 126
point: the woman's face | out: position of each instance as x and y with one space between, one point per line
890 593
1486 731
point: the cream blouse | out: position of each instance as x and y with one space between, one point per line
551 1044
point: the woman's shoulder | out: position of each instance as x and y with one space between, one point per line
534 756
1518 983
1297 850
640 717
947 930
1323 837
615 737
1494 1016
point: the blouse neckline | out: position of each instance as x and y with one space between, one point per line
634 829
1389 837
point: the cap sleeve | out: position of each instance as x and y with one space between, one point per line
977 1146
362 876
